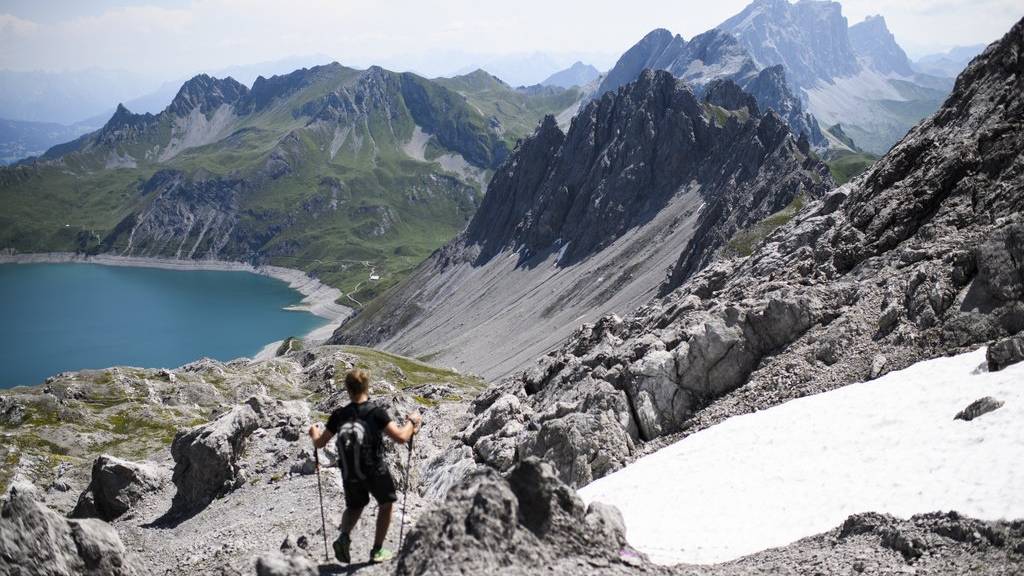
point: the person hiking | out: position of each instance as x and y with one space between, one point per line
360 427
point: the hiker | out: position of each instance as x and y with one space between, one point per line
359 427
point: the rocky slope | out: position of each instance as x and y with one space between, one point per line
340 172
208 463
714 55
587 221
857 76
515 524
920 257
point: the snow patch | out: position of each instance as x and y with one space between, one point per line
767 479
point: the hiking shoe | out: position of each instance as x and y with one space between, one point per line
380 555
341 549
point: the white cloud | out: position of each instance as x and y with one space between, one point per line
13 27
211 34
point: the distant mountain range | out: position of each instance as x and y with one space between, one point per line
854 75
949 63
579 74
42 109
803 61
20 139
330 169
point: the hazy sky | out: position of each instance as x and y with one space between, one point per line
169 38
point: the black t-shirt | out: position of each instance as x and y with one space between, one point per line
375 418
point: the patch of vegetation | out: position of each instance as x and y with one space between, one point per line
290 344
425 402
846 166
744 241
518 112
406 372
33 443
11 459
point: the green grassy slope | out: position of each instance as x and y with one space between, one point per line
310 166
846 165
518 111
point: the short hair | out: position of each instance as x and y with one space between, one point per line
357 381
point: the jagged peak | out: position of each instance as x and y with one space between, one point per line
264 90
875 24
661 34
728 94
122 116
124 126
871 40
547 124
206 93
481 78
121 111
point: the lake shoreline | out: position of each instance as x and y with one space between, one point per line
318 299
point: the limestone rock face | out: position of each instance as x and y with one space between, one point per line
116 486
528 520
206 457
36 540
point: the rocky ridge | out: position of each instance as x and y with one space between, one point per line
640 173
714 55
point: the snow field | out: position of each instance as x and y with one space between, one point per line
890 445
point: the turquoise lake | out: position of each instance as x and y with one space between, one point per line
58 317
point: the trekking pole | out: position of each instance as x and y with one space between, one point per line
320 489
405 497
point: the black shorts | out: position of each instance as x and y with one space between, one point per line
380 484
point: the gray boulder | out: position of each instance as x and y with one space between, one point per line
528 520
36 540
12 412
978 408
285 564
586 439
206 457
1005 352
115 487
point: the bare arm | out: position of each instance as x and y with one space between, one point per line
320 437
405 432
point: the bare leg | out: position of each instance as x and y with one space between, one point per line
349 519
383 522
